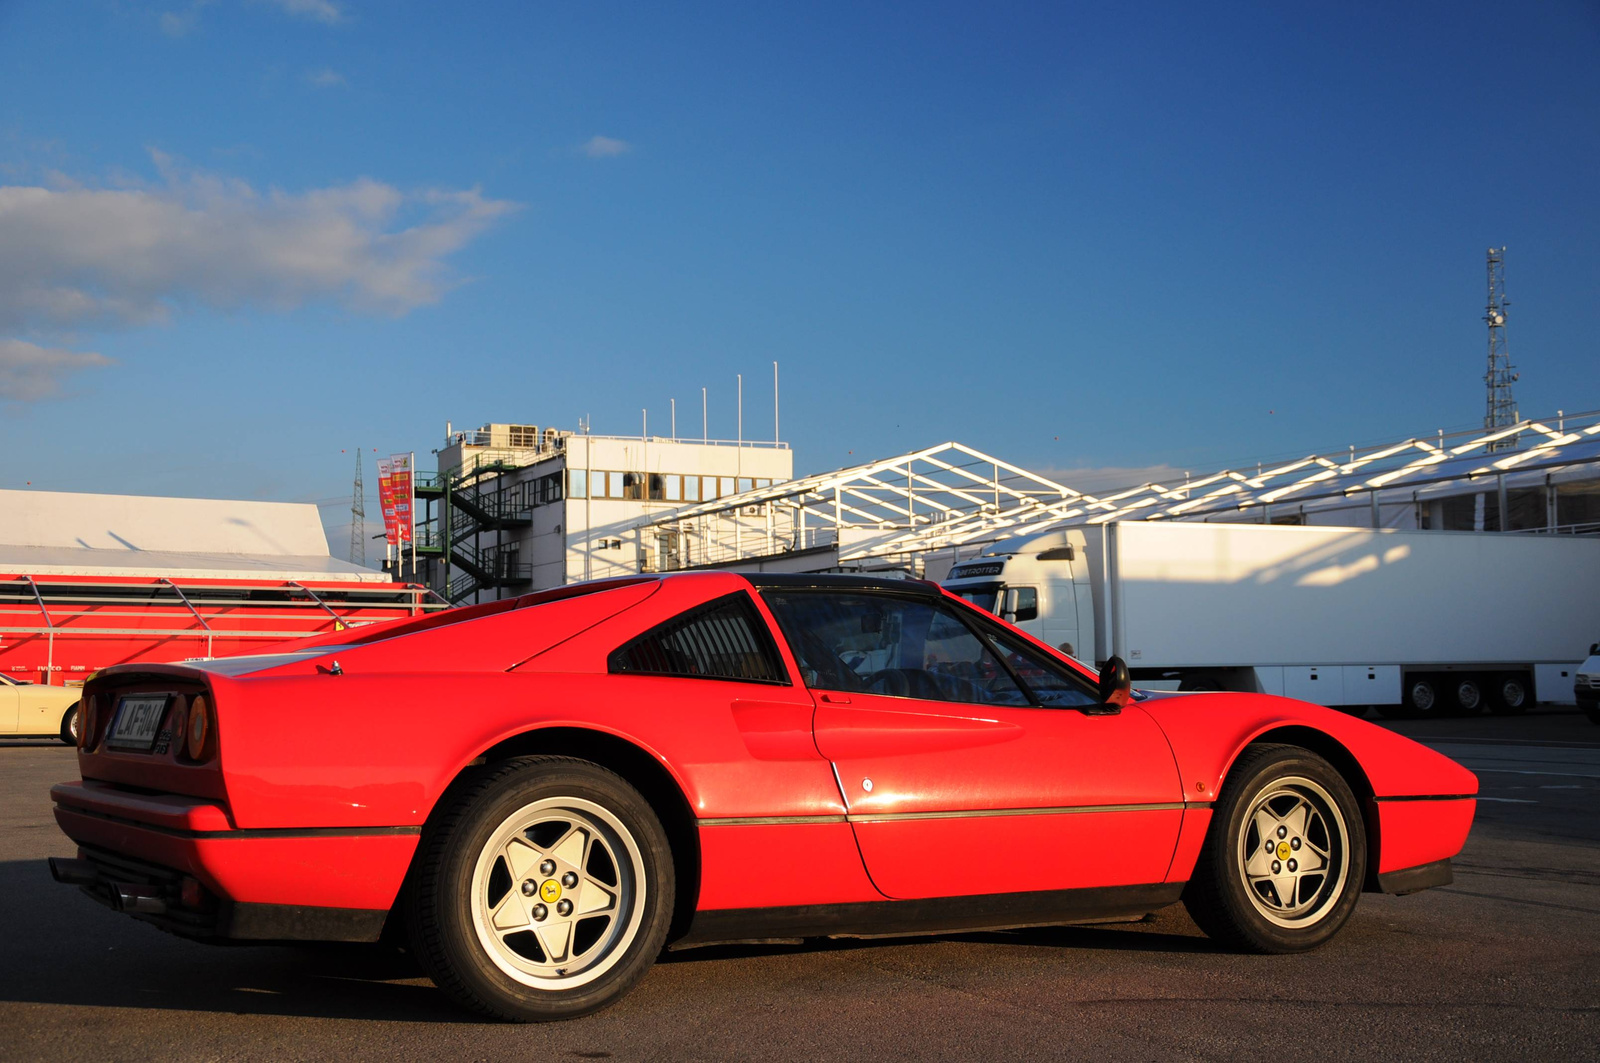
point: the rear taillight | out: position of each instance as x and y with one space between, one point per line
197 740
178 724
88 720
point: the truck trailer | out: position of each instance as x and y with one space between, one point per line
1411 622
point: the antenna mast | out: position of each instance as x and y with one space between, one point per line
1501 408
358 517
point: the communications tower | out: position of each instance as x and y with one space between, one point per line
358 517
1501 409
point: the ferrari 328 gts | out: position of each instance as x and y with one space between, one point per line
539 794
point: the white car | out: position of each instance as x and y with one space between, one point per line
1586 685
32 710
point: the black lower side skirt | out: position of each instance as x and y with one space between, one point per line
937 915
1412 879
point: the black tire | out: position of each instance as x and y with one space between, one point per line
1253 918
1468 694
467 857
69 725
1422 697
1204 683
1511 694
1591 709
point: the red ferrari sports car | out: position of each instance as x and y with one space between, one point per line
540 793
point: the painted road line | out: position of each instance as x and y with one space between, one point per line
1517 771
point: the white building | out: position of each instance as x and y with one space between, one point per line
514 508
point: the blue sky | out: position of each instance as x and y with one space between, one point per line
237 237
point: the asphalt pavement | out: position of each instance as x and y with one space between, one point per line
1503 964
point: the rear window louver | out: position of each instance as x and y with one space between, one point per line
722 639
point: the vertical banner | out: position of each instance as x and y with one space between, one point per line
400 486
386 500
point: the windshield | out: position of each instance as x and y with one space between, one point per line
983 595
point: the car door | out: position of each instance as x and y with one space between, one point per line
962 773
40 708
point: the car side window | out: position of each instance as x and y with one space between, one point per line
722 639
885 644
1052 685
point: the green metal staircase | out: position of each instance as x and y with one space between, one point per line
473 500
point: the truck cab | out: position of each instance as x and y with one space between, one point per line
1040 583
1586 685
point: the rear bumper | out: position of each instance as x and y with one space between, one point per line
257 885
157 895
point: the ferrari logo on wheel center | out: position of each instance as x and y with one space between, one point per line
550 891
1283 850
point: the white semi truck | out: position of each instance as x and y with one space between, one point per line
1412 622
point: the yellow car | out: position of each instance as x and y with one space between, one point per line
32 710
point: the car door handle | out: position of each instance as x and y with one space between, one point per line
835 699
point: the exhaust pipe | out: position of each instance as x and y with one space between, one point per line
122 896
127 898
73 872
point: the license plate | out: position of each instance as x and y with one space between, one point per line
138 719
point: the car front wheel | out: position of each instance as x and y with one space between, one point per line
1285 858
544 891
70 724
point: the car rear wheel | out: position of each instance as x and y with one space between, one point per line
1285 858
69 725
544 891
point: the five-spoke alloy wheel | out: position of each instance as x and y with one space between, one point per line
1287 852
1285 858
544 892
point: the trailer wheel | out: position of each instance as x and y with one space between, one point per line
1469 695
1204 683
1511 695
1421 698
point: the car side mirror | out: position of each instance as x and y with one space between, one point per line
1594 649
1116 686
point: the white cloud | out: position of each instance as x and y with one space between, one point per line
598 147
326 78
319 10
85 257
29 372
178 23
